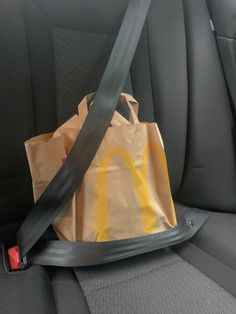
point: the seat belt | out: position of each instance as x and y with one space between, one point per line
70 175
77 254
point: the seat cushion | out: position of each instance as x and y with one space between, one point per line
160 282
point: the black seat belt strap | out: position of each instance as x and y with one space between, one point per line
77 254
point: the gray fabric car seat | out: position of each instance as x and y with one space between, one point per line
52 52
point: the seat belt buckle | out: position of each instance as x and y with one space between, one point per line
15 260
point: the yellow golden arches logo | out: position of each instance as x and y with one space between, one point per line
140 182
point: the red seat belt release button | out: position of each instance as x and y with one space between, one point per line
14 258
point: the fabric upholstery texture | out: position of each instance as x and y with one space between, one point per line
80 60
159 282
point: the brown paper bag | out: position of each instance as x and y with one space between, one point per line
125 192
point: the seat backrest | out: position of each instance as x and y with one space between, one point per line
53 52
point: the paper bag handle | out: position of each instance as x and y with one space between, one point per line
128 100
125 99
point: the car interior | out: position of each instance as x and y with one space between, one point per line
52 54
